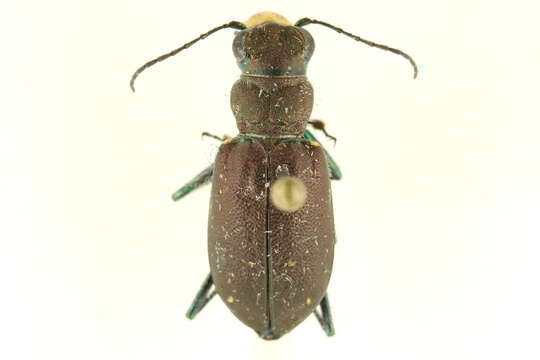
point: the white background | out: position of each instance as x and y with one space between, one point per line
437 215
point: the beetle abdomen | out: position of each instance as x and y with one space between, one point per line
271 267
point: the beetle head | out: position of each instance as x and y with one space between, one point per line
270 45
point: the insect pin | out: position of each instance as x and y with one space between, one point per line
270 224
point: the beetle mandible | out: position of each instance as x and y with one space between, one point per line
270 226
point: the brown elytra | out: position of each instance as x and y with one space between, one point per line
270 267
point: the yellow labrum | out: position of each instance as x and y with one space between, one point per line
266 17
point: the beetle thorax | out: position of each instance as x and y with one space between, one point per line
272 106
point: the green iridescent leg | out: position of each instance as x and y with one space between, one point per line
325 316
335 172
204 295
202 178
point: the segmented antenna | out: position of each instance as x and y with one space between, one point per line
307 21
233 24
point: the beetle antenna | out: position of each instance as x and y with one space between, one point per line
307 21
232 24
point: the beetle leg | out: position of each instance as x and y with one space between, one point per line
325 316
319 125
212 136
222 139
202 178
335 172
204 295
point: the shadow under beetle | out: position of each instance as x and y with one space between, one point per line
270 226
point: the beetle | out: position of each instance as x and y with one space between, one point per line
270 226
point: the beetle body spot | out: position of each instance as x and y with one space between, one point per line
288 193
